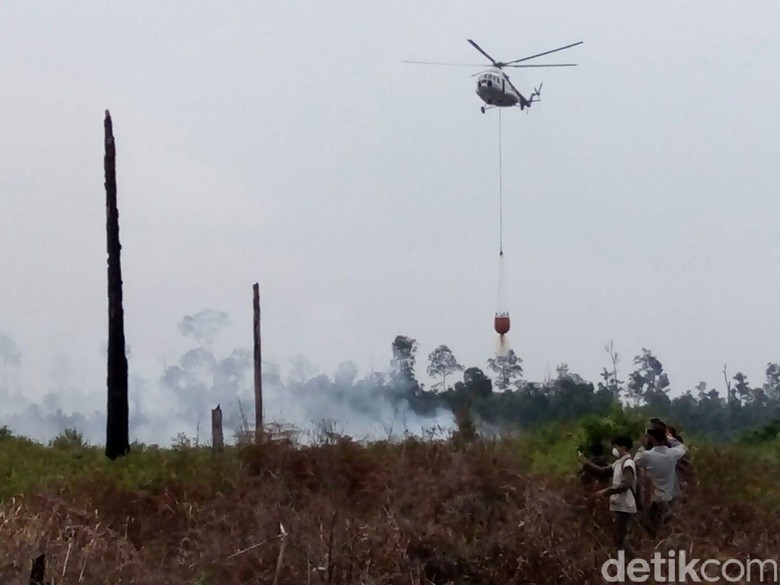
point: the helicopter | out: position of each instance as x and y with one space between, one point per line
494 86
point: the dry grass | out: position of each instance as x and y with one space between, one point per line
410 513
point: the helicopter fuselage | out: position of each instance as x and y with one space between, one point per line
493 85
493 89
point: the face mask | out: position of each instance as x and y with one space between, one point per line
615 452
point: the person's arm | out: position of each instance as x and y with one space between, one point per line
593 467
625 483
679 451
597 468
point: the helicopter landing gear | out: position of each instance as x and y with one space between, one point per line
482 109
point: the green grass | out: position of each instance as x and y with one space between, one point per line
27 466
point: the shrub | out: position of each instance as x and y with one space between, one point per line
68 440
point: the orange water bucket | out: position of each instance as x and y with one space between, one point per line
501 323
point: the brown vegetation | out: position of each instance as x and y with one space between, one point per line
411 513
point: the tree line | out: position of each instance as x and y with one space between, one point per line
507 399
496 396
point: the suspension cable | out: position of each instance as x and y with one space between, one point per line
500 192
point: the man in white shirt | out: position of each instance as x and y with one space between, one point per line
659 461
622 492
684 472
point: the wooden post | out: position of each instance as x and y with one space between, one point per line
258 368
117 424
217 438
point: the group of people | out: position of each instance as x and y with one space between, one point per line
647 485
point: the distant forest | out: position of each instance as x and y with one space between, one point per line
507 400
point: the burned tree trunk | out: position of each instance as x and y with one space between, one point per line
217 437
258 368
38 572
117 425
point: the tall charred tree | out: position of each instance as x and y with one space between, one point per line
217 436
117 425
38 572
258 356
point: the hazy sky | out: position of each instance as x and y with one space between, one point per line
285 142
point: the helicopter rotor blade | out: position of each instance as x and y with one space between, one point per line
478 48
545 53
549 65
447 64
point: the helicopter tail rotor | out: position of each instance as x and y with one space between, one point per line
525 104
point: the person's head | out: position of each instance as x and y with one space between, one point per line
656 437
657 423
621 445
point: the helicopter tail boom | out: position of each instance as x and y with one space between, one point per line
534 97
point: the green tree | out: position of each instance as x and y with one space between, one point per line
772 384
477 384
563 373
742 389
610 375
404 358
712 413
648 382
474 392
508 369
442 362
